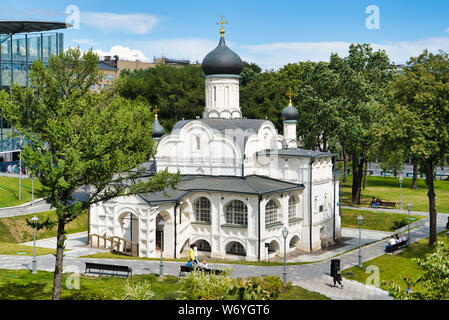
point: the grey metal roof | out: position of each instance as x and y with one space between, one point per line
105 66
17 26
253 184
295 152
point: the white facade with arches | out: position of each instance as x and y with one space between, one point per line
242 183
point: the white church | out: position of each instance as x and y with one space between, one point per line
242 183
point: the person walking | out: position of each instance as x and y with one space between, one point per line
191 253
336 272
195 251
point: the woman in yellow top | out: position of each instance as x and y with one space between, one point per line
191 253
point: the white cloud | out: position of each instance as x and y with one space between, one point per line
277 54
447 30
128 23
84 42
192 49
124 53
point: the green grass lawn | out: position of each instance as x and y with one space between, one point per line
22 250
392 267
387 189
378 220
16 230
9 191
22 284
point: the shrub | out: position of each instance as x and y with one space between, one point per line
273 285
136 291
198 285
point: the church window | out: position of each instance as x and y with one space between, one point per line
198 143
202 210
292 208
271 212
235 248
236 213
203 245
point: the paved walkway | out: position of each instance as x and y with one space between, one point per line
27 208
313 277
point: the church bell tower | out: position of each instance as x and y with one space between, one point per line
222 68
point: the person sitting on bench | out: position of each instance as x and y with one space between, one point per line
203 264
190 263
391 242
403 238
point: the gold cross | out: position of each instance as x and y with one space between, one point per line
290 94
222 23
156 110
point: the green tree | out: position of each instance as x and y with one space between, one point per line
420 117
363 79
249 72
177 91
318 105
78 138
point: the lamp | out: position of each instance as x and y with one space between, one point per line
400 188
160 227
285 234
360 221
409 208
34 220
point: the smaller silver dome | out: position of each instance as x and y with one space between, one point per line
158 130
290 113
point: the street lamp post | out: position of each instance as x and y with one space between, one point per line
285 234
400 187
409 208
161 226
359 221
34 261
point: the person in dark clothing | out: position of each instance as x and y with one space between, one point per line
447 224
335 272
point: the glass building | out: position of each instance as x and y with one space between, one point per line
22 43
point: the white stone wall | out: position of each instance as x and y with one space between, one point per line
222 97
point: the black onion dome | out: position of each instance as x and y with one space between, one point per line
222 60
158 130
290 113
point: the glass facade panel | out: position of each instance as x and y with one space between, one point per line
5 48
17 54
19 48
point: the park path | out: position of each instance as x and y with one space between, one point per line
36 206
313 276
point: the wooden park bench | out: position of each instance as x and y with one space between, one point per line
109 267
386 204
395 247
185 269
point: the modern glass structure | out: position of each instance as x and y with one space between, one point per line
22 43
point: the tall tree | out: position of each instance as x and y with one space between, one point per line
422 113
177 91
363 78
78 138
318 106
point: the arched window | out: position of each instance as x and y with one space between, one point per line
198 143
236 213
271 212
292 208
235 248
203 245
201 209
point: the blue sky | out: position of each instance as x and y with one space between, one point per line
270 33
